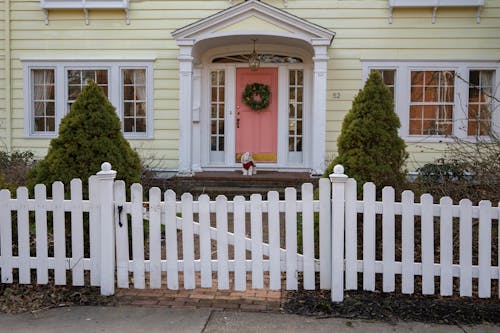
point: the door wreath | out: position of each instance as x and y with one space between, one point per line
257 96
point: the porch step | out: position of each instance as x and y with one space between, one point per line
232 183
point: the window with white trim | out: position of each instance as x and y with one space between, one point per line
43 101
431 102
437 100
480 102
134 100
51 87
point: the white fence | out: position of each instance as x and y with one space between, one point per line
165 239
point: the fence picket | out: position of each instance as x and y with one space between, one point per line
256 234
188 241
155 238
171 240
137 236
369 237
94 233
388 239
59 226
23 235
446 247
427 227
239 244
77 253
42 274
351 236
291 238
308 236
274 240
408 242
325 231
484 249
5 237
222 244
205 246
121 234
465 247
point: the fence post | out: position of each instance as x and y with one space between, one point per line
105 179
338 179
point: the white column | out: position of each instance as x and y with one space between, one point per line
105 179
196 130
338 179
319 105
185 104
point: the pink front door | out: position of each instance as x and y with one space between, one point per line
256 132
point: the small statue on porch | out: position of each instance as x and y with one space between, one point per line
248 165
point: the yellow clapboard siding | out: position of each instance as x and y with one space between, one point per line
362 31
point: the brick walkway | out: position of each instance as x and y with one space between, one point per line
262 300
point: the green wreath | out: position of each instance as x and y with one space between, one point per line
257 89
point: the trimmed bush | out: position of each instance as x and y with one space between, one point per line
89 135
369 146
14 169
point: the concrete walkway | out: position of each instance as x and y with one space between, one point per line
153 319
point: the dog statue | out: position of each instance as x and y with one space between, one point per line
248 165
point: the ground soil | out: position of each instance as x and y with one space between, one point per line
394 307
15 298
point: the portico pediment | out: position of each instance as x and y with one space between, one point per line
254 17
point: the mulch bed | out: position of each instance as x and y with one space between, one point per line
16 298
392 307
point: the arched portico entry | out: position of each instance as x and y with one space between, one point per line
216 126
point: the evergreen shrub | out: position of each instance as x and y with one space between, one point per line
89 135
369 146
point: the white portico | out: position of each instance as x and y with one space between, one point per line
215 125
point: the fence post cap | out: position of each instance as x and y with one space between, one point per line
106 170
338 175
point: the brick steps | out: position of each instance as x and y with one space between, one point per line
233 183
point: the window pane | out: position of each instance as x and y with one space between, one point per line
50 109
217 107
89 76
128 93
73 92
134 99
431 102
295 109
128 76
128 125
140 125
140 109
480 102
42 100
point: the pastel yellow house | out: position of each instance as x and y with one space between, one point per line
176 72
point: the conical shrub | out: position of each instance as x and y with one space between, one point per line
89 135
369 146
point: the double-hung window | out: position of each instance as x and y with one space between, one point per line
51 87
438 100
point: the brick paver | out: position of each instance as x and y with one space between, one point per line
262 300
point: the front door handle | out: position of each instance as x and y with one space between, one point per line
238 123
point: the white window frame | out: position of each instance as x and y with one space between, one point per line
115 90
461 98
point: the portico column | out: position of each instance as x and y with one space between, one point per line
185 107
319 105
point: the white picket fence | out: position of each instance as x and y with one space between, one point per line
148 242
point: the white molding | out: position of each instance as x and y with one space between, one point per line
435 4
85 5
114 88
